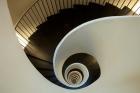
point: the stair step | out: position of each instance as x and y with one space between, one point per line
44 69
54 19
110 10
67 14
71 17
95 5
62 19
47 73
39 63
78 6
124 11
88 12
67 10
96 9
53 79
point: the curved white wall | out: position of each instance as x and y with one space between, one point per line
120 70
114 42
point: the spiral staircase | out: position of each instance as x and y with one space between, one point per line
73 46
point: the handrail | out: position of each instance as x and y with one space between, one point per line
41 9
27 11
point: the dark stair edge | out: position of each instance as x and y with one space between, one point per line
110 10
124 11
38 68
39 59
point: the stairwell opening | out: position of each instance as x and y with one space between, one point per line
75 63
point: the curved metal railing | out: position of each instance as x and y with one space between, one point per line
41 9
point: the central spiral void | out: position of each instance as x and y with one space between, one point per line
76 74
74 77
79 70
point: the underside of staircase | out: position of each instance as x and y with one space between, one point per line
50 33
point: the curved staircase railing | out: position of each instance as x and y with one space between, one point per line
80 69
41 9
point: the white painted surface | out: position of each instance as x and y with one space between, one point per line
114 42
119 57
